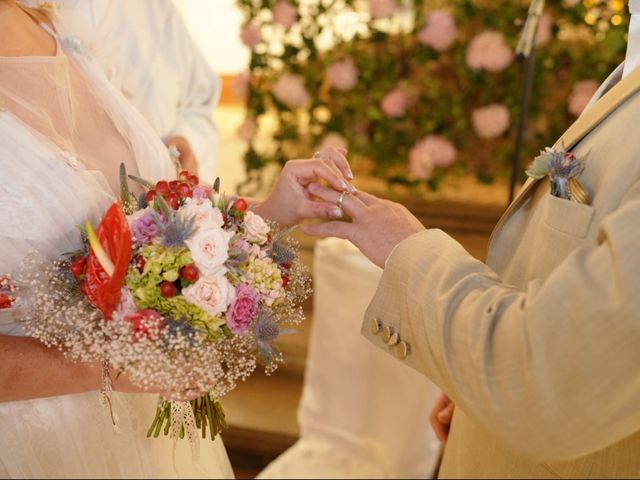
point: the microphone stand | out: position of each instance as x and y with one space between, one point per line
525 52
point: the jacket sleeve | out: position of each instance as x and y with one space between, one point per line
553 370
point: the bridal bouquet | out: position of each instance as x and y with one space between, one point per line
183 289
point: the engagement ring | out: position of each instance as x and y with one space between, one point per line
340 199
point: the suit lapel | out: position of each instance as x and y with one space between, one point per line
612 98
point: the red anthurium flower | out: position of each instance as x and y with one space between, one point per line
105 276
5 301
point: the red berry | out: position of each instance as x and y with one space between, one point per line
194 180
240 205
162 187
286 266
285 281
184 175
190 273
168 289
150 196
173 185
139 262
78 266
184 190
173 201
5 301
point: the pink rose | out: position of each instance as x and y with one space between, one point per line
210 249
581 95
285 14
213 294
244 309
343 75
543 35
489 51
204 214
382 8
491 121
432 151
201 193
291 91
256 228
248 129
396 103
440 31
143 226
333 140
251 35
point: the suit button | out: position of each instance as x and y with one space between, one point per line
387 331
395 338
403 350
375 326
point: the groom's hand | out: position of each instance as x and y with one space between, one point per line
376 226
441 416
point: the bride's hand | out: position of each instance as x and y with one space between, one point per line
289 202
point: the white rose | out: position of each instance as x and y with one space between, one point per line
213 294
204 213
210 249
256 228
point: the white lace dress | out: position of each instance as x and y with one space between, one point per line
63 132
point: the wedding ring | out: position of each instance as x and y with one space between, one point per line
340 199
317 155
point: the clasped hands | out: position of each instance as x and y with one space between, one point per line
320 188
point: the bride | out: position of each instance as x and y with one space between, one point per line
63 132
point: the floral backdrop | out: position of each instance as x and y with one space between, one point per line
418 90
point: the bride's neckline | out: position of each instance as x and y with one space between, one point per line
58 54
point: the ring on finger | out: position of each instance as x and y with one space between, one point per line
340 199
318 155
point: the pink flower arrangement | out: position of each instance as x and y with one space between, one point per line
285 13
580 96
291 91
248 129
489 51
382 8
430 152
144 227
440 31
240 85
213 294
251 35
244 309
491 121
333 140
343 75
396 103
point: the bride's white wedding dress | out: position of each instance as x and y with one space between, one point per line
63 133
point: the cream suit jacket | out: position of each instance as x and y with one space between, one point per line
540 347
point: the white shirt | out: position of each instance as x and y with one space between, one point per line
632 60
147 52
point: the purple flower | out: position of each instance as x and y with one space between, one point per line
201 192
144 227
244 309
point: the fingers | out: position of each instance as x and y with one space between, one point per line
317 209
308 171
350 203
445 415
338 157
330 229
441 430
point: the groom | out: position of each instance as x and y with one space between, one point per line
540 347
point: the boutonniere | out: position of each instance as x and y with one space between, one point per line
563 168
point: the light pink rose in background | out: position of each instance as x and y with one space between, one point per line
201 193
430 152
489 51
440 31
343 74
251 35
244 309
544 33
240 84
291 91
333 140
491 121
256 228
285 13
396 103
248 129
213 294
210 249
580 96
382 8
204 214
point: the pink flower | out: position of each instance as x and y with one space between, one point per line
210 249
144 323
396 103
291 91
201 193
248 129
491 121
382 8
580 96
440 31
489 51
213 294
430 152
256 228
240 85
543 35
285 14
143 226
244 309
333 140
251 35
343 75
203 213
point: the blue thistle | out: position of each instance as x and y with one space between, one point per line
176 230
282 254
